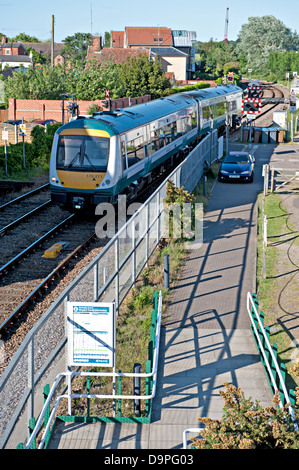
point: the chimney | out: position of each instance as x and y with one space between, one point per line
96 43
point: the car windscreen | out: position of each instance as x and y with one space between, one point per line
85 153
237 159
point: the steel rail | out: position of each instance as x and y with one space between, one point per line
24 196
43 284
24 217
33 245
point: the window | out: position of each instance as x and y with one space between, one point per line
7 51
133 151
82 153
207 113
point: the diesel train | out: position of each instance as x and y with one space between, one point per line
96 158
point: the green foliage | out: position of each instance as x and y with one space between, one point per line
141 76
23 37
76 48
178 196
247 425
281 62
37 83
262 36
37 153
213 57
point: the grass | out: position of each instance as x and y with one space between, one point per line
278 226
26 174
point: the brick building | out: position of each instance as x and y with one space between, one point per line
13 54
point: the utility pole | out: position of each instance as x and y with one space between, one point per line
52 44
226 26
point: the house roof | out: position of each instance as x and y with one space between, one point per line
10 44
119 56
117 38
167 52
44 48
15 58
148 36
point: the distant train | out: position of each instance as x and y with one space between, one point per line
96 158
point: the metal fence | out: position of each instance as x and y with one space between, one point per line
108 278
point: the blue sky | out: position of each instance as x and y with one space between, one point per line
97 16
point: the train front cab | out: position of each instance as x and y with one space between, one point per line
78 167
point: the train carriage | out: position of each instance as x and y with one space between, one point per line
96 158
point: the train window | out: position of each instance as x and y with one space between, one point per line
193 120
220 109
206 113
82 152
135 151
157 140
170 132
181 126
123 152
232 105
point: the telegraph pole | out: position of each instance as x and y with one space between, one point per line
52 44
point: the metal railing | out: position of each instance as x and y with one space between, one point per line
108 278
269 356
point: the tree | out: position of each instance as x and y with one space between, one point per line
141 76
76 48
261 36
107 40
23 37
212 56
36 83
91 83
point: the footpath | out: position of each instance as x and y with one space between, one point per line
206 338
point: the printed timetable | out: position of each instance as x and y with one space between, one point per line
91 333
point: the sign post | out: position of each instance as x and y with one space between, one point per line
5 138
23 134
292 109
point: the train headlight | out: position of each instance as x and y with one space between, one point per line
53 179
107 181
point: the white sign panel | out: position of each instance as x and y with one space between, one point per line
293 104
4 135
91 333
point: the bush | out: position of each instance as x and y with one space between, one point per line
247 425
37 153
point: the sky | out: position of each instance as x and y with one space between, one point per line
207 19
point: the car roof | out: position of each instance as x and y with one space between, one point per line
238 153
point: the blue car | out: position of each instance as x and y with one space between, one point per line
238 167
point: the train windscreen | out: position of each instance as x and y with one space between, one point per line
85 153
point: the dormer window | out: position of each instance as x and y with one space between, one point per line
7 51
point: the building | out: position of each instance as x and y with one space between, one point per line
14 54
118 55
173 61
163 44
44 49
184 41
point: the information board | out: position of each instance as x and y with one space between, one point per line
91 334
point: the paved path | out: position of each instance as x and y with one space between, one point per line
206 338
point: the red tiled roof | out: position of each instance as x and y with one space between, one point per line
117 38
148 36
117 55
